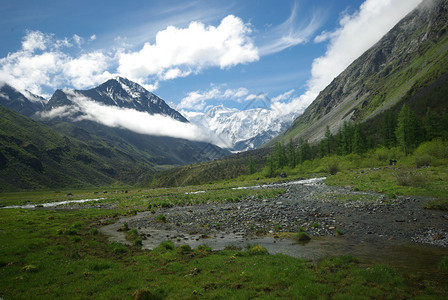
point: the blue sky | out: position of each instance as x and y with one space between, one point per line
193 54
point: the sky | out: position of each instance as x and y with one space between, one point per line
192 54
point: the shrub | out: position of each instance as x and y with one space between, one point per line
333 166
124 227
443 265
185 248
258 250
94 231
303 237
167 245
132 234
422 161
117 248
76 239
138 242
410 179
441 204
161 218
71 231
435 148
204 248
30 268
77 225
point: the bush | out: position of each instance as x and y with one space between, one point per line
161 218
30 268
138 242
410 179
117 248
167 245
422 161
204 248
443 265
435 148
258 250
76 239
303 237
132 234
185 248
333 166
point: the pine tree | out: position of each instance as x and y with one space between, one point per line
304 152
327 145
408 130
291 154
346 139
280 158
251 166
430 125
359 141
388 128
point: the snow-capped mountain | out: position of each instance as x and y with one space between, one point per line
119 92
23 102
241 129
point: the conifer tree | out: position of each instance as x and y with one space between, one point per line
291 154
251 166
408 130
359 140
430 125
304 152
388 128
327 145
346 139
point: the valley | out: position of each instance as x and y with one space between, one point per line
109 192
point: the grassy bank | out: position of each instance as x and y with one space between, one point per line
49 254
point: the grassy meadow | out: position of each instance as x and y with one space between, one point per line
60 253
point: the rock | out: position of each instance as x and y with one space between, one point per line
283 175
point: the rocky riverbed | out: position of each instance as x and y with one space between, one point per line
309 206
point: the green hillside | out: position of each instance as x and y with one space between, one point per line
410 60
35 156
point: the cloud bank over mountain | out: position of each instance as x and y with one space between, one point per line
84 108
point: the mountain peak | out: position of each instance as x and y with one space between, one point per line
123 93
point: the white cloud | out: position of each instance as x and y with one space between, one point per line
46 62
356 34
131 119
177 52
92 37
197 100
35 40
78 40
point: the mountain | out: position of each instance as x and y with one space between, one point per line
35 156
241 130
25 102
63 146
410 59
119 92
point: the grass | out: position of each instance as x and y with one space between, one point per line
34 267
47 254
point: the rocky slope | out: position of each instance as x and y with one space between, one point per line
411 57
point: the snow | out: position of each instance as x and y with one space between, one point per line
241 126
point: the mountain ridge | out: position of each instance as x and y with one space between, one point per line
410 56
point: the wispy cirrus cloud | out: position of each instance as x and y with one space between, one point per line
355 35
291 32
